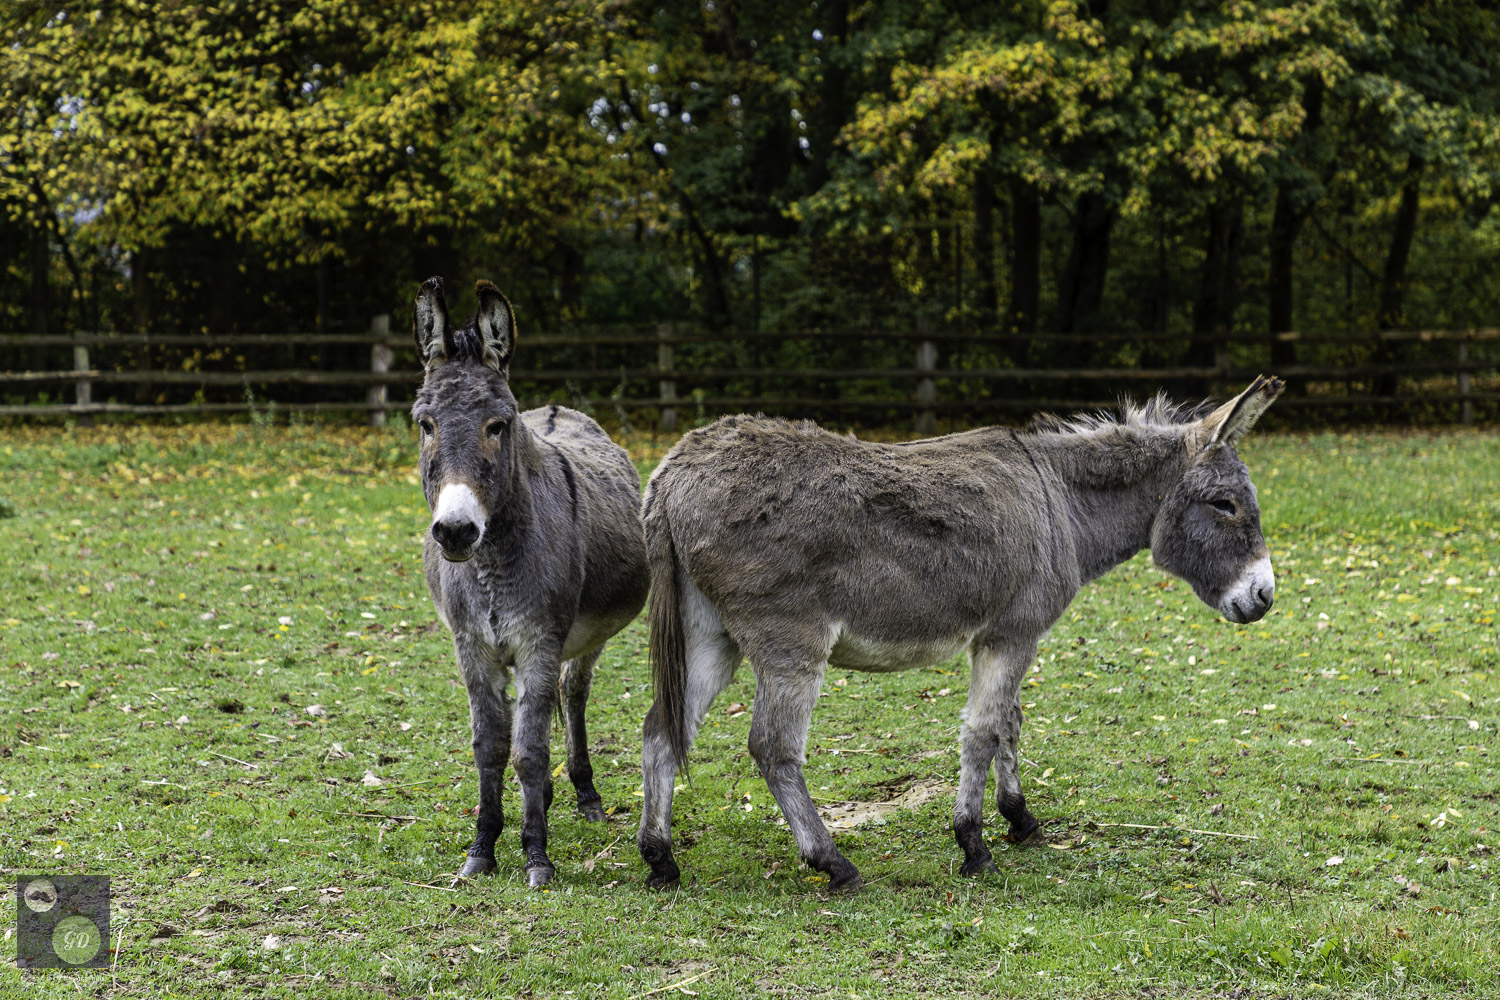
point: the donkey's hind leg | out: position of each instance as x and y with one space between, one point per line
577 677
712 657
992 727
784 699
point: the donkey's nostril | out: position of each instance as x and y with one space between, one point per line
455 536
1264 596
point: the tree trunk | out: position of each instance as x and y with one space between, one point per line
715 291
1025 260
1081 291
140 295
1294 201
831 111
986 295
1391 315
41 293
1218 284
224 288
1286 222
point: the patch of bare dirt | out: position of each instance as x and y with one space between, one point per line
848 815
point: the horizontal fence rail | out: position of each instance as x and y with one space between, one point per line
905 374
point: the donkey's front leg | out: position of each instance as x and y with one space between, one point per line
992 726
536 699
489 721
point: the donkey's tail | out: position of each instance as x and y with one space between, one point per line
668 715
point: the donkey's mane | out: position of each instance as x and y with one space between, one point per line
470 345
1156 412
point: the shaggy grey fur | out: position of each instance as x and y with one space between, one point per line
535 558
798 548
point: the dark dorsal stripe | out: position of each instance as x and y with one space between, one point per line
570 476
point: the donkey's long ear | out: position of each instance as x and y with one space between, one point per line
430 325
1230 422
496 324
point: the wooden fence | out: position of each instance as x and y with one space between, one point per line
1456 371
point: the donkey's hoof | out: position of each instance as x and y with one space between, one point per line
846 883
539 873
476 866
592 811
664 876
977 866
1020 833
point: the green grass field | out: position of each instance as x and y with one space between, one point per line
222 684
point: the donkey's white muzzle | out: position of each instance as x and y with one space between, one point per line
1249 598
457 522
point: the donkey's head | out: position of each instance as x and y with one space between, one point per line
1208 528
465 411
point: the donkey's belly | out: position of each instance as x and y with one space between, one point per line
854 652
588 634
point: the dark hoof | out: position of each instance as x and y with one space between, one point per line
664 875
1020 833
977 866
592 811
476 866
846 883
539 873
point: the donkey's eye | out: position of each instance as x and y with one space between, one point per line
426 426
494 427
1226 507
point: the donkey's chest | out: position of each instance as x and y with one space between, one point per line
517 623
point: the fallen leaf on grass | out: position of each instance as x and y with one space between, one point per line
337 752
371 781
315 710
736 708
1412 887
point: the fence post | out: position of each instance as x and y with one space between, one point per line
380 363
668 387
83 389
1465 404
926 388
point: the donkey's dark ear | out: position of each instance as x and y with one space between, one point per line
430 325
1232 421
496 324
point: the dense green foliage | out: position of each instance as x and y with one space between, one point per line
1038 164
214 635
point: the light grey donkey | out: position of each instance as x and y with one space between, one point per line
535 558
800 549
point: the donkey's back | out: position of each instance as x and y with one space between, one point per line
786 524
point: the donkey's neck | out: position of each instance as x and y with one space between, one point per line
1114 479
514 508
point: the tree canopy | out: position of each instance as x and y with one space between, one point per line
1013 166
